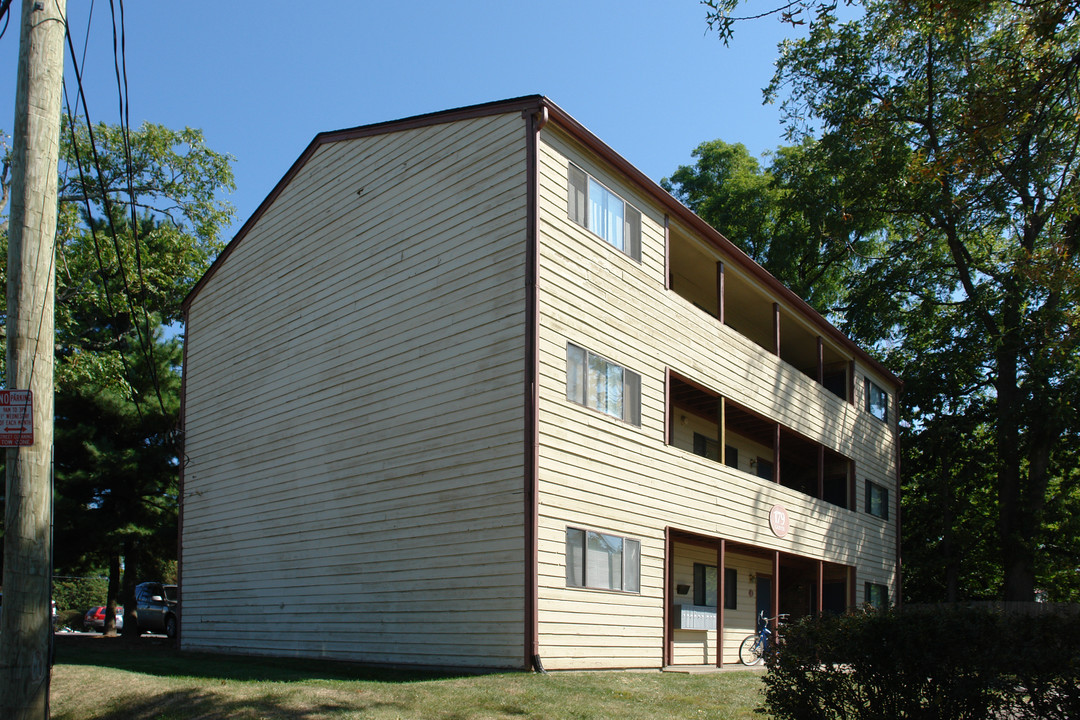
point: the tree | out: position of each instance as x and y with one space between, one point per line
140 221
789 217
958 119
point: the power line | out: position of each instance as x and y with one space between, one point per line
72 122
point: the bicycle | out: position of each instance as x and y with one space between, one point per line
753 648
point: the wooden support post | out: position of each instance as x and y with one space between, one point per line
851 382
26 629
669 586
821 472
776 453
820 361
667 253
720 292
776 328
853 491
669 410
721 552
820 587
721 431
775 588
853 577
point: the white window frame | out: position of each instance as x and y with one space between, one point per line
881 493
620 227
604 568
620 395
877 401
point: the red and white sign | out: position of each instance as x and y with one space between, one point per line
778 521
16 418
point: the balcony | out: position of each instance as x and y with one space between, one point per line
697 274
702 422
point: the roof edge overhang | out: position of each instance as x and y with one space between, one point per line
583 135
713 236
520 104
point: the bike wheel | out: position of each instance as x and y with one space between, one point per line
750 650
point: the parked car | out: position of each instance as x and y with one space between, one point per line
95 618
157 607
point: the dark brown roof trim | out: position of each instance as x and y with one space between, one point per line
601 149
709 233
526 102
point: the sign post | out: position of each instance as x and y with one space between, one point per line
16 418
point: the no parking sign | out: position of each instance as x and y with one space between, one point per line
16 418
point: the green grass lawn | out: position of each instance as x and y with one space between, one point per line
96 677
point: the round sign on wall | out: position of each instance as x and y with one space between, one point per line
778 521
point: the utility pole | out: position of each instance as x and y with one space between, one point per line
26 628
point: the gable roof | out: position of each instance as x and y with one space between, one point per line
548 112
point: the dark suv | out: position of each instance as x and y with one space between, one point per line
157 607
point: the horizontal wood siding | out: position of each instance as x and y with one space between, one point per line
600 473
697 647
354 410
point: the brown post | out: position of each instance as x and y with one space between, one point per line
853 491
820 586
776 454
851 382
721 430
776 328
667 252
853 577
720 292
776 589
669 426
820 361
669 580
721 551
821 472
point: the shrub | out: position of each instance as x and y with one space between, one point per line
69 619
79 593
944 664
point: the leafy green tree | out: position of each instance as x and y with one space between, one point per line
139 223
957 120
790 217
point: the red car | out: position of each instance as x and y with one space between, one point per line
95 618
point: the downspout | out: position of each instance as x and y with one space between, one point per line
181 451
534 122
899 497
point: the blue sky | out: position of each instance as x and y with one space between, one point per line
261 79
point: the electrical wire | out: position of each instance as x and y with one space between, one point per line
144 342
120 66
5 12
72 121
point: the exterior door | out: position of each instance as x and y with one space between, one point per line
764 597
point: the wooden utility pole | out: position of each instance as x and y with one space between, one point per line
26 628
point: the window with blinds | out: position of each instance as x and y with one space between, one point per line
594 207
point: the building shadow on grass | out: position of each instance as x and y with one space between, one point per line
206 704
160 657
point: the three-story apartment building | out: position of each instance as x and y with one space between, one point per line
470 390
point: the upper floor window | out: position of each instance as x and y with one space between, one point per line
877 500
602 561
877 401
602 385
596 208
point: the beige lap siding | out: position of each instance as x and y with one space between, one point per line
354 480
597 472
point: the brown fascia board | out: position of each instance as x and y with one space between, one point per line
727 248
417 121
597 146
